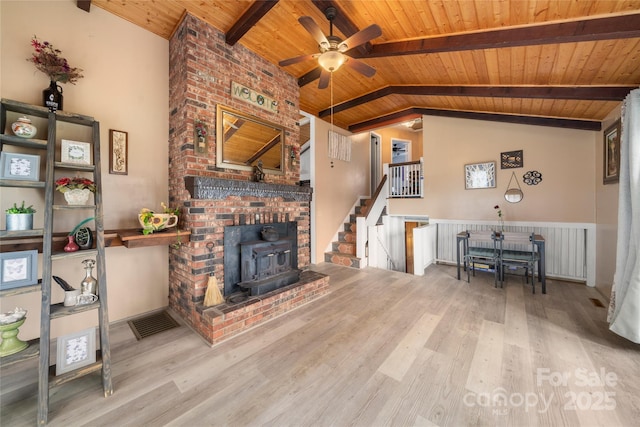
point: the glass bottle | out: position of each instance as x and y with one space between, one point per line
89 284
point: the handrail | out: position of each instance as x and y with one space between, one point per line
414 162
375 197
373 212
384 248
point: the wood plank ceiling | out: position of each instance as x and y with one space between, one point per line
565 63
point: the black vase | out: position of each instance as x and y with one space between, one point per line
52 97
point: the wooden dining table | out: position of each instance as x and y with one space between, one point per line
538 240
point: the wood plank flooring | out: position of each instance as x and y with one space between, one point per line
382 349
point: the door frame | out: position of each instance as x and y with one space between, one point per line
375 161
406 143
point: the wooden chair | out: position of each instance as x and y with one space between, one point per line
524 257
481 252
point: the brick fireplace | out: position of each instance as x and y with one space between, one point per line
202 68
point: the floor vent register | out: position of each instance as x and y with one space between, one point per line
152 324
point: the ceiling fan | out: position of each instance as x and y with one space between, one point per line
333 48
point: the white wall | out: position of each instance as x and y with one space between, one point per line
125 87
606 216
336 185
565 157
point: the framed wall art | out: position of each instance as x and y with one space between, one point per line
612 153
76 350
480 175
511 159
75 152
18 269
18 166
118 152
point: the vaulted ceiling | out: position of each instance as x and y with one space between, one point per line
564 63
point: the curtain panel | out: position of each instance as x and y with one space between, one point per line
624 309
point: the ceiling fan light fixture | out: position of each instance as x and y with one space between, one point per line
331 60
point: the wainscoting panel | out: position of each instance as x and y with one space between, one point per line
566 244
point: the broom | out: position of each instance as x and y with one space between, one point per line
212 296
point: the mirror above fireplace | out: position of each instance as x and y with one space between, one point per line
242 140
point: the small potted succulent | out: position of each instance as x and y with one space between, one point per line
20 217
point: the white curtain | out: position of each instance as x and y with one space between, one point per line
624 310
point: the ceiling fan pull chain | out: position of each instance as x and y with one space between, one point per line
331 84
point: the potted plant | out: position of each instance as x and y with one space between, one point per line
152 221
20 217
76 190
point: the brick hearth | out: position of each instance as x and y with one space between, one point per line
226 320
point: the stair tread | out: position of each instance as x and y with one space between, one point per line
342 254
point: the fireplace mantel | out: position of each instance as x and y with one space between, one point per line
210 188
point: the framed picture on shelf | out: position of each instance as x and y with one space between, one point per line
18 269
18 166
612 153
76 350
75 152
118 152
480 175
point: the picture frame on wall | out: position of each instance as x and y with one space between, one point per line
118 152
611 158
18 269
480 175
19 167
76 152
76 350
511 159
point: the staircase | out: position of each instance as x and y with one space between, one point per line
344 250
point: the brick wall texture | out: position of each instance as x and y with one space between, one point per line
202 68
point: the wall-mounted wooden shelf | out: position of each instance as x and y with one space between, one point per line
135 239
129 238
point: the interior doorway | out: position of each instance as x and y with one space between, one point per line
408 242
400 150
376 161
409 226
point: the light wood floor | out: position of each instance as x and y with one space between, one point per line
383 348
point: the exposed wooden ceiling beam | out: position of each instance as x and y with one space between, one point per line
249 18
616 27
594 93
84 5
624 26
411 113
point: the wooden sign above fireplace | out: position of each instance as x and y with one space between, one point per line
253 97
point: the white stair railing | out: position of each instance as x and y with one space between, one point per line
406 180
363 222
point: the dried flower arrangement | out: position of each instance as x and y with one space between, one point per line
47 59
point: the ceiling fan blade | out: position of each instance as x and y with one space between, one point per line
325 76
310 25
361 37
297 59
361 67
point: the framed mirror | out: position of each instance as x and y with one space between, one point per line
513 194
242 140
